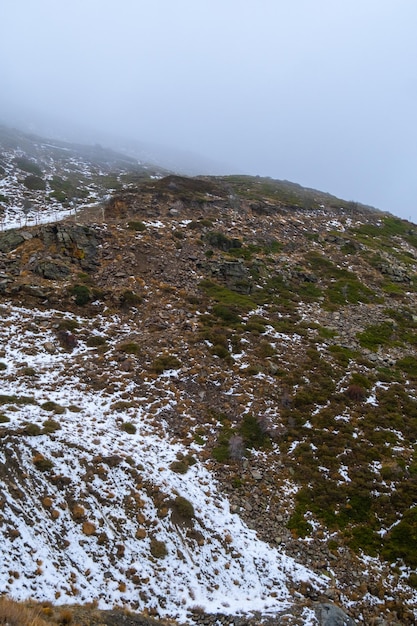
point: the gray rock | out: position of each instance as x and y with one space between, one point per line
10 240
73 240
332 615
52 270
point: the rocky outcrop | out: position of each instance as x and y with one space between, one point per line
75 241
234 274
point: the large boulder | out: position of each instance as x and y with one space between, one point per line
331 615
78 242
10 239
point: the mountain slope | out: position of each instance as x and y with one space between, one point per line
196 360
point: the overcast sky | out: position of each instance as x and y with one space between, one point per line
319 92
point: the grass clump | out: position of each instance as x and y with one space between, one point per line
241 302
34 183
96 341
183 507
136 225
165 362
129 299
6 399
129 428
15 613
51 426
130 347
376 335
53 407
408 364
42 463
158 549
401 541
179 467
222 242
32 429
81 293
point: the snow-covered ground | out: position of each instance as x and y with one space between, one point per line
86 528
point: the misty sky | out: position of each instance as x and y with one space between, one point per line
319 92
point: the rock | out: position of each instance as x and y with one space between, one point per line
49 347
332 615
234 274
10 240
78 242
51 270
256 475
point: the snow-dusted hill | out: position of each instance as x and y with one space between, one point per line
208 396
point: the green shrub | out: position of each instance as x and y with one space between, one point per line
158 549
221 351
298 524
27 165
179 467
41 463
227 297
81 293
254 326
4 419
129 428
34 183
95 341
53 406
366 539
183 507
32 429
129 347
226 313
221 452
129 299
51 426
341 354
401 541
376 335
412 580
252 433
348 291
165 362
221 241
408 364
137 226
326 333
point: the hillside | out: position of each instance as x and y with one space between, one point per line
209 401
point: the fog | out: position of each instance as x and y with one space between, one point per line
321 93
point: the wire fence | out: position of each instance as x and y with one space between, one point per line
21 220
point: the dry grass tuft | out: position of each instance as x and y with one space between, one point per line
19 614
